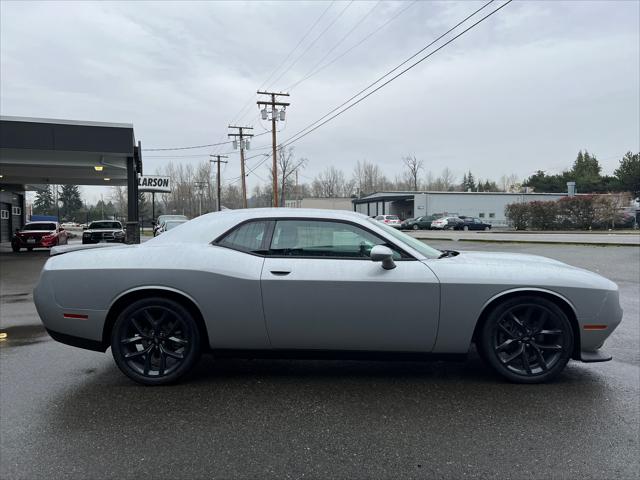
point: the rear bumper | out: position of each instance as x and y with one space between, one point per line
79 342
595 356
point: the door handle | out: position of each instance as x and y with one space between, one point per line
280 273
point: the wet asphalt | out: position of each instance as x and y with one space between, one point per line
69 413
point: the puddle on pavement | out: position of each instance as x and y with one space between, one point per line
14 297
21 335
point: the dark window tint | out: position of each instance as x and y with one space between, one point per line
40 226
247 237
105 225
309 238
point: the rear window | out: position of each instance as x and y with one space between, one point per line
393 217
247 237
104 225
40 226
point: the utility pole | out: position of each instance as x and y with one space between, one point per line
243 144
275 116
218 161
200 187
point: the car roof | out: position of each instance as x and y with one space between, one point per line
209 226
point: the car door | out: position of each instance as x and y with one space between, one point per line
321 291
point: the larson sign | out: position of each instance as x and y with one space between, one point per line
154 183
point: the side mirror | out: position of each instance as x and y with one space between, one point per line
383 254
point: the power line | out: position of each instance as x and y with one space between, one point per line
357 44
339 42
312 43
183 148
241 113
300 134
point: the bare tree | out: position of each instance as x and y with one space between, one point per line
508 182
447 178
329 183
413 166
287 165
368 178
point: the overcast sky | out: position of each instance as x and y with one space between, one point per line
525 90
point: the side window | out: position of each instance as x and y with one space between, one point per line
481 215
312 238
247 237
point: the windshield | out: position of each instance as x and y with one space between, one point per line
104 225
170 225
414 243
40 226
164 218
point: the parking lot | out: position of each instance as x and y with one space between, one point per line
69 412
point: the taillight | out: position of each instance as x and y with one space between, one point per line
386 221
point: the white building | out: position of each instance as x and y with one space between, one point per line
489 206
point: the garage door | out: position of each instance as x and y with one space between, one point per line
5 212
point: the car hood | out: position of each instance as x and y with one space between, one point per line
514 269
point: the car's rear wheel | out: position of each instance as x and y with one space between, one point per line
155 341
486 229
466 228
527 339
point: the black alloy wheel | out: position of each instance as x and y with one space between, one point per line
155 341
527 339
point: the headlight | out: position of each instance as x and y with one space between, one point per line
118 234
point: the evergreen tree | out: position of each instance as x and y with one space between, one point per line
44 203
628 173
586 173
71 201
471 182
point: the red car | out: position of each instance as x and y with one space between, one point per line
39 235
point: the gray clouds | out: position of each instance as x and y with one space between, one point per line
525 90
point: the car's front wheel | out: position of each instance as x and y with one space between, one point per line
415 227
466 228
155 341
527 339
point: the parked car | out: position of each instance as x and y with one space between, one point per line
471 223
445 223
170 224
103 231
420 223
39 235
391 220
163 218
285 282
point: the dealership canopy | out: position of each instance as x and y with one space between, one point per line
45 151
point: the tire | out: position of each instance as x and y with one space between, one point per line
465 228
510 344
416 227
15 249
155 341
29 249
486 229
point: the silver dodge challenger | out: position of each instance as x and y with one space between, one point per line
317 283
